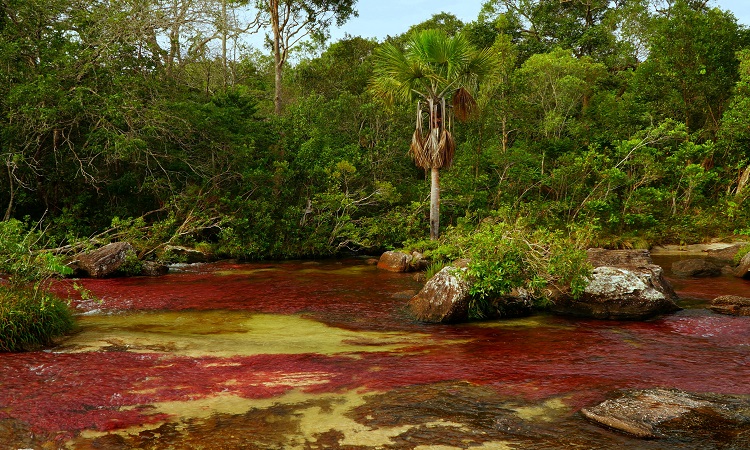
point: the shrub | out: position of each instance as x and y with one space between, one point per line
505 256
31 318
20 257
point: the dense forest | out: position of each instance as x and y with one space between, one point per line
619 123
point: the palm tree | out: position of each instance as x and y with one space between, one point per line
439 72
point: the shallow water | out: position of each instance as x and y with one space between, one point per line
322 355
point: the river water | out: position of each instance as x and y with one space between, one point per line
321 355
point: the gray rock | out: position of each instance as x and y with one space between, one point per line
154 269
443 299
731 304
696 267
621 293
104 261
661 413
184 254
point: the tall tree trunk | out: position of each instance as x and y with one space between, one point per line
224 41
278 57
435 203
277 87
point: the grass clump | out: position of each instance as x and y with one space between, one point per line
30 319
510 256
30 316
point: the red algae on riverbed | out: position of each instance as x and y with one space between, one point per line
221 343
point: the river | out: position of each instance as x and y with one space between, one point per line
321 355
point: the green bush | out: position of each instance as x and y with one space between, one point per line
30 319
21 257
29 316
508 256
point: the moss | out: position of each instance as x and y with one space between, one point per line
30 319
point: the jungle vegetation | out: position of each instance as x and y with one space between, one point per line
614 123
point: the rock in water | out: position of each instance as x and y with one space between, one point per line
731 304
443 299
154 269
696 268
105 261
659 413
620 294
726 252
624 285
185 254
743 270
395 262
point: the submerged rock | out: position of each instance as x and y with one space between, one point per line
443 299
696 268
731 304
104 261
660 413
395 262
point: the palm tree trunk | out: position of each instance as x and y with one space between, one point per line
435 203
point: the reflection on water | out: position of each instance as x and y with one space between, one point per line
299 355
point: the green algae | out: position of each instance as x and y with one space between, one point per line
298 420
536 321
548 411
227 333
245 272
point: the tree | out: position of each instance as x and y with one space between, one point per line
558 87
692 66
437 70
293 20
538 26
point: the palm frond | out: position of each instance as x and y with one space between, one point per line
446 150
464 104
418 152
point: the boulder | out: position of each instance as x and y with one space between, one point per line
418 262
725 253
395 262
598 257
743 269
620 293
104 261
624 285
154 269
517 304
696 267
731 304
671 413
638 261
443 299
184 254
